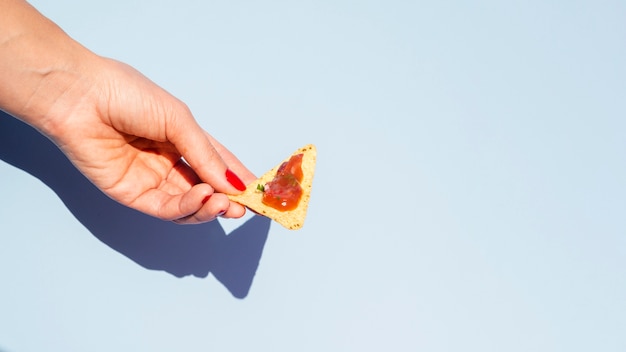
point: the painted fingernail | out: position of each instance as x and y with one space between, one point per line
235 180
221 213
206 199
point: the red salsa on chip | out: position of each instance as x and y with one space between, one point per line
284 192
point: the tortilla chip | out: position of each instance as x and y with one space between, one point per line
290 219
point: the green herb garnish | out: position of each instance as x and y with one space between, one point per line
260 187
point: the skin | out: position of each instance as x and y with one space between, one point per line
122 131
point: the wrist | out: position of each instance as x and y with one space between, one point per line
43 72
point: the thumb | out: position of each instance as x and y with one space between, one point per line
195 146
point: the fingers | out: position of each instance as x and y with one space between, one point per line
199 204
167 206
218 205
219 164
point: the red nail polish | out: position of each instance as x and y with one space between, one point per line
206 199
235 180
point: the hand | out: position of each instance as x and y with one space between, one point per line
134 141
127 136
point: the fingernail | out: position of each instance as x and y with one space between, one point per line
235 180
221 213
206 199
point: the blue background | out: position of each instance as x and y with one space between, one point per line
469 193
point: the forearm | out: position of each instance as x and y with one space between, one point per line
41 68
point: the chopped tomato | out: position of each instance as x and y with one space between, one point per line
284 191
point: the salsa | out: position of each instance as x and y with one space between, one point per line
284 191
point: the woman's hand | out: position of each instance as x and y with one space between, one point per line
129 137
133 140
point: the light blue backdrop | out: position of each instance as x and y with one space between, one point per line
470 190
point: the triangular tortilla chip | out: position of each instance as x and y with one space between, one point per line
290 219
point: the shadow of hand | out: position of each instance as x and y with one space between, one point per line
180 250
